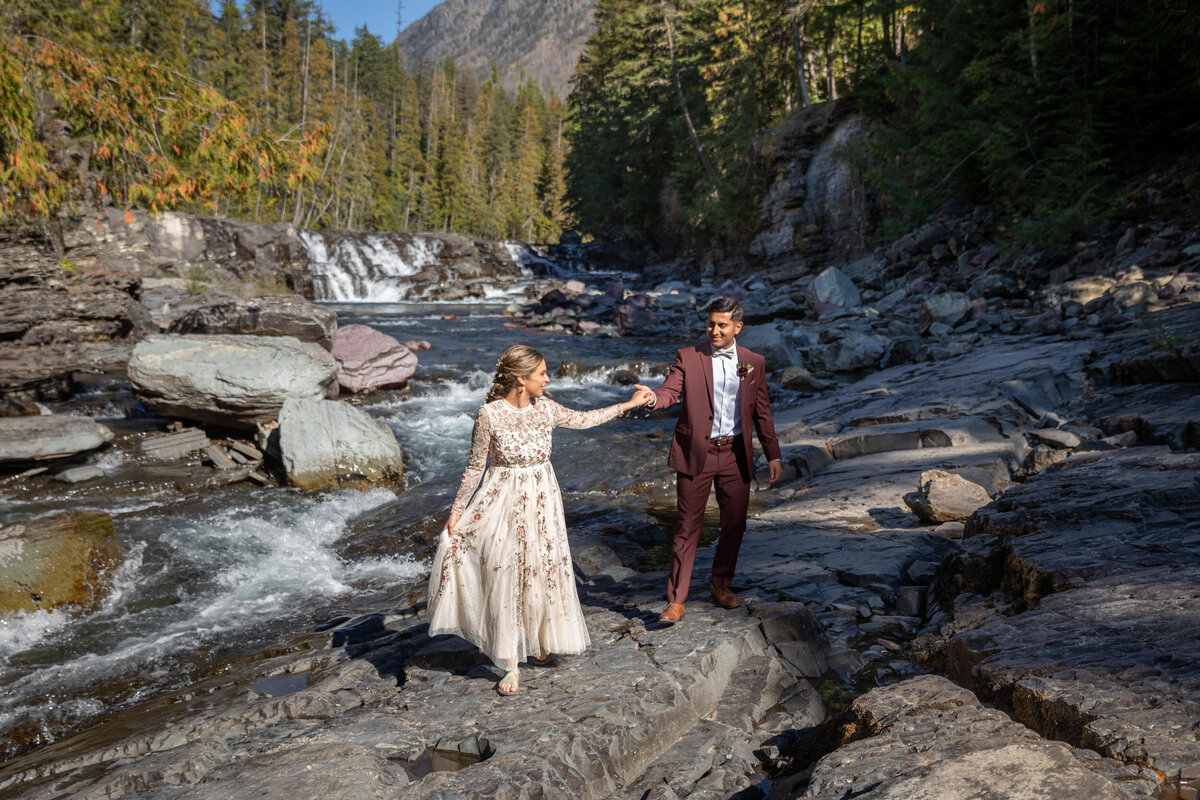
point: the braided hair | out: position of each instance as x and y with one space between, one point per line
517 361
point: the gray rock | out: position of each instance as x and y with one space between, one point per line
48 437
798 379
324 443
832 286
946 497
853 352
927 738
1102 554
270 315
79 474
1056 437
771 343
949 308
232 381
369 359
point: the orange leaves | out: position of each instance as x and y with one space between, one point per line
1039 9
128 217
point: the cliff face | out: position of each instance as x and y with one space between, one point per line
539 39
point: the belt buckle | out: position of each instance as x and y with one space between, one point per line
722 441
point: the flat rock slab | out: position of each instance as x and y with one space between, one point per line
49 436
1101 554
383 693
1111 667
230 381
928 739
270 315
1095 515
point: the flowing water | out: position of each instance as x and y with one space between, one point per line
230 575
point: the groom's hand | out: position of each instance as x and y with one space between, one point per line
645 394
774 470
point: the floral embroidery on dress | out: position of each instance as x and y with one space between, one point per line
505 580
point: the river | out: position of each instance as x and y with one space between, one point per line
229 576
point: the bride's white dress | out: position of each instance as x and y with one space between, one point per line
506 582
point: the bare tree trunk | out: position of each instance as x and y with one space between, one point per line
830 83
862 13
262 25
885 19
805 100
708 167
1033 62
304 95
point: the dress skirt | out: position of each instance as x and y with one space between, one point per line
507 584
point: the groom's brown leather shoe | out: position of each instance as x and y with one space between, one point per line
673 614
723 597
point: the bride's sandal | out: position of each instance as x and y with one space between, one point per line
510 683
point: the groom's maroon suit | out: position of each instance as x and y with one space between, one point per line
699 463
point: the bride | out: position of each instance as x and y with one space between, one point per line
502 577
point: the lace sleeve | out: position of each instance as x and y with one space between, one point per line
480 442
563 417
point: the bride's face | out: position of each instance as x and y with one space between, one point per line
535 384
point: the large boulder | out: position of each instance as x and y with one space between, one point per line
47 437
946 497
949 308
833 286
270 315
854 352
368 359
66 559
327 443
770 343
230 381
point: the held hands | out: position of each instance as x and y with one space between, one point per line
641 397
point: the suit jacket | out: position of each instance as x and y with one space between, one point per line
691 377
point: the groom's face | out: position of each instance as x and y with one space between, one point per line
722 329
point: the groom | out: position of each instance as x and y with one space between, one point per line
724 391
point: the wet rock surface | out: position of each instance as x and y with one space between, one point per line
61 560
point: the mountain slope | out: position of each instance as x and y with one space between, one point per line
540 39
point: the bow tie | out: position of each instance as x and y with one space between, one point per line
727 353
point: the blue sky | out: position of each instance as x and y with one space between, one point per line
378 15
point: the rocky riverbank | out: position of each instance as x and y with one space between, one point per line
990 497
1062 602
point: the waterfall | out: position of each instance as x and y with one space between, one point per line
367 268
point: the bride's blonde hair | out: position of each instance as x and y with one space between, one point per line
517 361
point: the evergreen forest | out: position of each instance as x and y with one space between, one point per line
256 111
1038 106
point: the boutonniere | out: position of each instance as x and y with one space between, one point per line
743 370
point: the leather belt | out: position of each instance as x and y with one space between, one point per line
724 441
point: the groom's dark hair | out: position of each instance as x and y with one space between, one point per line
726 305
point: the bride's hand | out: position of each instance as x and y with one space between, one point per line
450 523
640 397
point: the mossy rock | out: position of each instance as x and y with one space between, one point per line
63 560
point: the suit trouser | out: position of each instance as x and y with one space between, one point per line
721 467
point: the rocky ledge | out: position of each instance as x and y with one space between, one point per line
1063 603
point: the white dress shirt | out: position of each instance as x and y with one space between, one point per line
727 401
